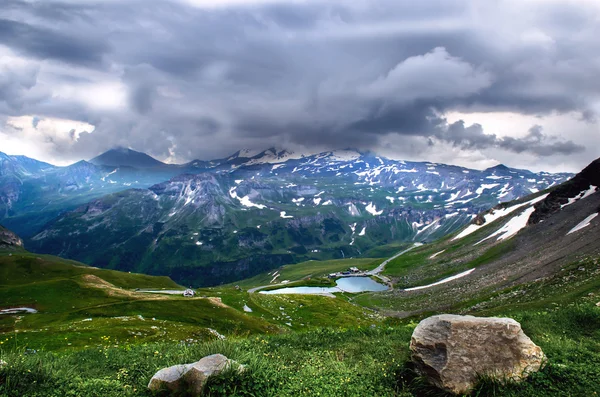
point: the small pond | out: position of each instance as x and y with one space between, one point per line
345 284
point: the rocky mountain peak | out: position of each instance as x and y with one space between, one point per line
121 156
581 185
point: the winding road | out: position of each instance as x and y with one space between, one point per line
375 272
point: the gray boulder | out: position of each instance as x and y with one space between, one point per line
190 378
452 351
170 378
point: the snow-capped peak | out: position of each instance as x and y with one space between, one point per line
274 156
244 153
343 155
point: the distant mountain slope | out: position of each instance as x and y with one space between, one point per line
241 220
33 192
124 157
503 250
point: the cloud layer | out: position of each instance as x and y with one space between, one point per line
199 79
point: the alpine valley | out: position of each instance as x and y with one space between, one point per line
209 222
535 259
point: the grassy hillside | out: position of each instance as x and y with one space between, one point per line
365 361
80 306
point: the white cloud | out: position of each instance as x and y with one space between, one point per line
40 138
432 75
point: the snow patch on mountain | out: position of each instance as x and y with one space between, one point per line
245 201
353 227
485 187
457 276
353 210
109 174
436 254
274 156
495 215
245 153
370 208
343 155
583 224
581 196
512 227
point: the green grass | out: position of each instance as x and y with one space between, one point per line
365 361
79 305
309 282
313 269
24 267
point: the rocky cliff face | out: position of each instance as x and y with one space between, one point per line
582 185
9 240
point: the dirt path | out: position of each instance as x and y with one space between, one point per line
380 268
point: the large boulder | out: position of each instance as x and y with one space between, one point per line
9 240
190 378
453 351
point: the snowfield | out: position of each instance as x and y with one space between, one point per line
497 214
459 275
511 227
583 224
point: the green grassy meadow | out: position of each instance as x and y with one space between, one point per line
95 334
357 361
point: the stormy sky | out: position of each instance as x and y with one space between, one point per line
466 82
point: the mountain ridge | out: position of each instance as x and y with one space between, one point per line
122 156
327 206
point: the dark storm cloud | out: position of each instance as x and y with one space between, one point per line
318 73
15 86
46 43
537 142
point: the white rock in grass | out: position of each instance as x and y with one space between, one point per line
169 378
191 378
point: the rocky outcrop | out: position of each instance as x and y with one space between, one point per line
585 180
453 351
9 240
191 378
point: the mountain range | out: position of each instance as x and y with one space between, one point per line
207 222
515 253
